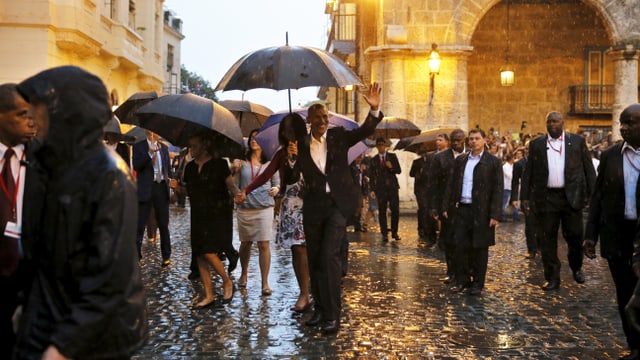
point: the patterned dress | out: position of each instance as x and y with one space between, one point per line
290 231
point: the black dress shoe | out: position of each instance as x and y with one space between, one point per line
396 237
634 355
551 285
475 290
530 255
385 238
330 327
166 262
315 319
194 275
447 279
456 288
578 276
233 257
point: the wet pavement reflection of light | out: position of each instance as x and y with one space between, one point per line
394 307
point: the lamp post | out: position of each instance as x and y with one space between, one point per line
434 69
507 76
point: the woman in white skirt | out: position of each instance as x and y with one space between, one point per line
255 214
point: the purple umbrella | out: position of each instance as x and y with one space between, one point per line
267 137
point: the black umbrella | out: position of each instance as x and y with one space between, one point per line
392 127
126 111
288 67
113 126
426 141
176 117
250 115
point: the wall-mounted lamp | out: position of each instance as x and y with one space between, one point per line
434 68
434 60
348 87
507 77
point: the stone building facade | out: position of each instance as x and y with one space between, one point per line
125 42
579 57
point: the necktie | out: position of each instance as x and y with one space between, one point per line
382 160
8 245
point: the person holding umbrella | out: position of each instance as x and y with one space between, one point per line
209 182
321 157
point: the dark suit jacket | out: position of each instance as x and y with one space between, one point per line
420 173
33 199
579 174
144 168
518 171
606 213
124 152
486 195
383 179
440 170
337 172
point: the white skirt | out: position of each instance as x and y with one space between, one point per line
255 224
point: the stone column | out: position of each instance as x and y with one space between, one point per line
625 64
387 68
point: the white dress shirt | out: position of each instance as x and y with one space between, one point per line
19 173
555 156
630 169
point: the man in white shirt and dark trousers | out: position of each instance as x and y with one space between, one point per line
556 185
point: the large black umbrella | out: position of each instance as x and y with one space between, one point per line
426 141
176 117
392 127
126 111
250 115
288 67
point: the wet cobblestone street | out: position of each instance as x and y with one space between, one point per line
394 307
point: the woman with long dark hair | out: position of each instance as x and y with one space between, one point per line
290 233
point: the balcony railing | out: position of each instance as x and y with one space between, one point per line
591 99
343 34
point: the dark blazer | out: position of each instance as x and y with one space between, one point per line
420 172
440 170
518 170
338 174
384 178
486 195
606 213
579 174
33 199
144 168
124 152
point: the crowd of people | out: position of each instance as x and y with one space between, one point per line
70 250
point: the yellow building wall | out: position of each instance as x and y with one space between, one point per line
37 35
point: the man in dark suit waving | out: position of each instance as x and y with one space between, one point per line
556 185
151 162
330 199
613 215
384 170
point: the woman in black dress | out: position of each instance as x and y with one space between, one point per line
210 186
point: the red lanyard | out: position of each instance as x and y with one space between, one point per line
253 176
559 151
13 199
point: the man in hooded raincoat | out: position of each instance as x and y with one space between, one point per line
86 300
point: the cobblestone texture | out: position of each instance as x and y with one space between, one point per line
394 307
